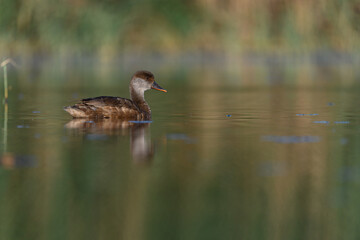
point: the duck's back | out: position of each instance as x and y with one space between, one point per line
106 107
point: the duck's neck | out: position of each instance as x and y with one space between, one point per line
137 96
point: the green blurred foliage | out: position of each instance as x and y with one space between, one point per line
172 26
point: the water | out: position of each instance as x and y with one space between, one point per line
251 153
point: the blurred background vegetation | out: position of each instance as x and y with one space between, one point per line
112 27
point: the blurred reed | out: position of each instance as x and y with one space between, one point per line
4 64
109 27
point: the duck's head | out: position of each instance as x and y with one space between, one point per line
143 81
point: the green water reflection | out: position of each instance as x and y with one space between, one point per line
254 153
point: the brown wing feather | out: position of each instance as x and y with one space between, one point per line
105 107
109 101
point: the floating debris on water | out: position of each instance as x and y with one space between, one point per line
180 136
291 139
350 174
22 126
35 111
20 96
307 114
75 95
343 141
37 135
272 169
89 122
322 122
335 122
331 104
140 121
229 115
341 122
100 137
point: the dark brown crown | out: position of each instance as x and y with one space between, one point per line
146 75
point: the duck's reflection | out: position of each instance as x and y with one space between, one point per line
142 150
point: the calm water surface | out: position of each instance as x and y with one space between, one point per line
255 153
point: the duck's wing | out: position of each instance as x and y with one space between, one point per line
105 101
104 107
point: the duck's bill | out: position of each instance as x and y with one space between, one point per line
157 87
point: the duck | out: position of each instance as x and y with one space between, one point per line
135 109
